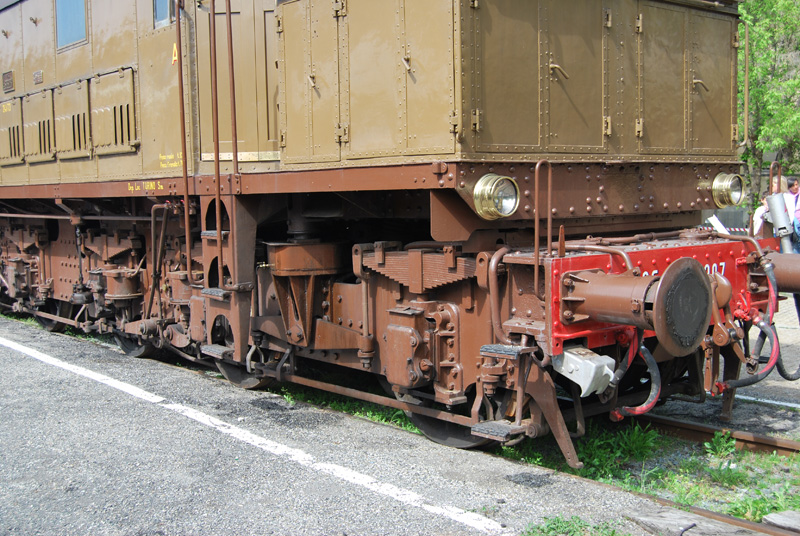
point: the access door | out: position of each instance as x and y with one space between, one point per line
712 82
575 56
309 36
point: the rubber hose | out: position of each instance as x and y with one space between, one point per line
655 385
625 363
772 283
774 355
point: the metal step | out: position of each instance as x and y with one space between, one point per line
498 430
216 350
216 293
212 234
501 350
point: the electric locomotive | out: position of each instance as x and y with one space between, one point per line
490 206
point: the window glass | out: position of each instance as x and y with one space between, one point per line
163 12
70 21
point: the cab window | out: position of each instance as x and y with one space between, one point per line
70 22
163 12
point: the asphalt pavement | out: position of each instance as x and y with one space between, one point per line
93 442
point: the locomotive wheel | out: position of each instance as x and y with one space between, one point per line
54 307
132 347
238 375
449 433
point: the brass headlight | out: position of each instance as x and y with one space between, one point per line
727 190
496 196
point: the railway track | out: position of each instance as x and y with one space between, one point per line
703 432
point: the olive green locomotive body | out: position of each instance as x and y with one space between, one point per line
394 188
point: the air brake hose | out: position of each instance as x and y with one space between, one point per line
625 363
772 284
655 386
767 331
785 374
773 303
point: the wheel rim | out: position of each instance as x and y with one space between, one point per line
54 307
132 347
445 432
237 375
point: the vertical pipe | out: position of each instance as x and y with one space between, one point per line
774 182
549 210
234 133
158 252
494 295
215 128
182 107
536 228
537 224
234 148
746 84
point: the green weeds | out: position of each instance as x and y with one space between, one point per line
721 445
574 526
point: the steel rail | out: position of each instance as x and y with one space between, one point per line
703 432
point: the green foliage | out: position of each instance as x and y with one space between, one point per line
774 28
605 451
755 504
722 445
727 474
637 442
574 526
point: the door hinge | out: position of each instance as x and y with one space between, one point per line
736 40
339 8
640 23
474 4
341 133
735 131
283 138
279 24
476 120
639 128
607 18
454 122
607 125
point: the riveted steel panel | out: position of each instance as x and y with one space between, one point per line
663 50
10 132
576 59
159 111
114 125
113 34
295 51
38 127
324 85
507 112
712 83
375 78
40 46
246 71
73 136
429 76
11 55
267 82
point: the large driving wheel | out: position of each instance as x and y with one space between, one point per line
237 374
444 432
133 347
57 308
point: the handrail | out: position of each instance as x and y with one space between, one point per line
186 219
215 127
537 224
